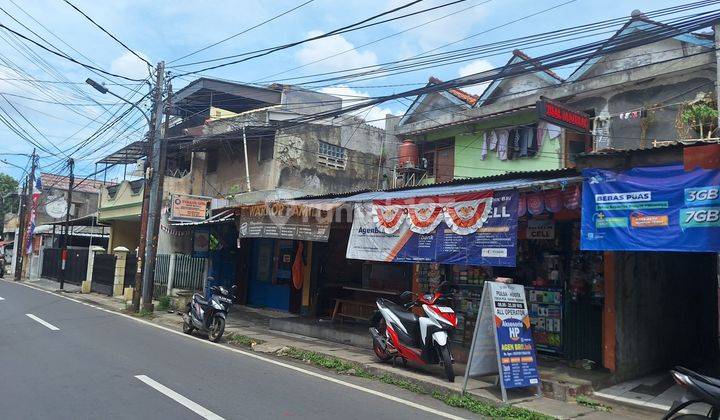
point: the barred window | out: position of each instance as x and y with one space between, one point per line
331 155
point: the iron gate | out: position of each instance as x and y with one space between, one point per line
75 266
130 269
103 275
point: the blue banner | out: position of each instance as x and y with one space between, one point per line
492 244
662 208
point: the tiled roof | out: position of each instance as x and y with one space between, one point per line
61 182
522 55
466 97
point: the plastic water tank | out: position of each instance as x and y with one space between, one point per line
408 154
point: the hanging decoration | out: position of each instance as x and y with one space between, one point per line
424 218
388 218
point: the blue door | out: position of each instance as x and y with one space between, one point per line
264 290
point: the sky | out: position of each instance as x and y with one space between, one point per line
45 95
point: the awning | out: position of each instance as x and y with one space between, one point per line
226 216
89 220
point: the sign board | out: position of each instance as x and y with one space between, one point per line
561 115
502 343
56 207
429 231
189 208
660 208
285 221
201 242
540 229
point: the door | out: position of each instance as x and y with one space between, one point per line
264 290
445 164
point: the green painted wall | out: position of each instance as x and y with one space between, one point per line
469 140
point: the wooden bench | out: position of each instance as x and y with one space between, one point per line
354 309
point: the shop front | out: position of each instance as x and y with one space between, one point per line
525 229
276 242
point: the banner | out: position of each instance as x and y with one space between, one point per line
286 221
467 229
502 341
662 208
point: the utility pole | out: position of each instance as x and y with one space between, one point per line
66 236
26 203
155 197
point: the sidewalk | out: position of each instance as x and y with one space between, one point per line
244 332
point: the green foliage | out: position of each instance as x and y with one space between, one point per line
587 402
699 114
8 185
164 303
243 340
479 407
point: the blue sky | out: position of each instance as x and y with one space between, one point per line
166 30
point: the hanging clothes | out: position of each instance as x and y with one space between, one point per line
514 144
484 147
502 144
525 139
489 143
533 147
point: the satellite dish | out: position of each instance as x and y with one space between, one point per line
56 207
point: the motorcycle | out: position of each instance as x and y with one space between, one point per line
208 316
398 333
699 389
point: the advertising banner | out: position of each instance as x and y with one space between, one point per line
503 320
286 221
189 208
468 229
663 208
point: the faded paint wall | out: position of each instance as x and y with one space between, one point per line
124 233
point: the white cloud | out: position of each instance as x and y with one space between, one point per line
323 48
374 116
474 67
130 66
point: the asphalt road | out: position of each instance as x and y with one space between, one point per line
61 359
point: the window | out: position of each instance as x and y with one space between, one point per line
266 148
211 161
331 155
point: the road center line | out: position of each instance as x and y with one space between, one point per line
191 405
45 323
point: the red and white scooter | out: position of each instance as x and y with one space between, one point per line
399 333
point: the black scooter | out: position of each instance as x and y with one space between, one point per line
698 389
208 316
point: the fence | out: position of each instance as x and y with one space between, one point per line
103 275
75 266
186 273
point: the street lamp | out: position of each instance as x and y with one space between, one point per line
145 203
102 89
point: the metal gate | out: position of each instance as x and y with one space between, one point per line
130 269
103 276
75 266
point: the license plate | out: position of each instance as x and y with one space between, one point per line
445 309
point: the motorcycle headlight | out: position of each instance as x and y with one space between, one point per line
217 305
223 290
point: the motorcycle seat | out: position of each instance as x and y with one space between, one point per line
197 297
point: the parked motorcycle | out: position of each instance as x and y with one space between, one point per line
398 333
208 316
698 389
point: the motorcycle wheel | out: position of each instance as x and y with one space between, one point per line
187 326
216 329
380 352
446 360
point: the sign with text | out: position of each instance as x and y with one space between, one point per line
540 229
503 320
660 208
561 115
467 229
286 221
201 242
189 208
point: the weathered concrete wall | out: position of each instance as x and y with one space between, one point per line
124 233
302 101
666 307
230 175
296 151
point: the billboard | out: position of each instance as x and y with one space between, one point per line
660 208
468 229
189 208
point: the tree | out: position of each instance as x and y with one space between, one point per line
8 186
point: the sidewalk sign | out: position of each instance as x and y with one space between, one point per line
502 343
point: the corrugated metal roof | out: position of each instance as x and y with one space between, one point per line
495 182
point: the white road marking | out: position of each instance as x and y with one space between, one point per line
45 323
258 357
189 404
2 298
